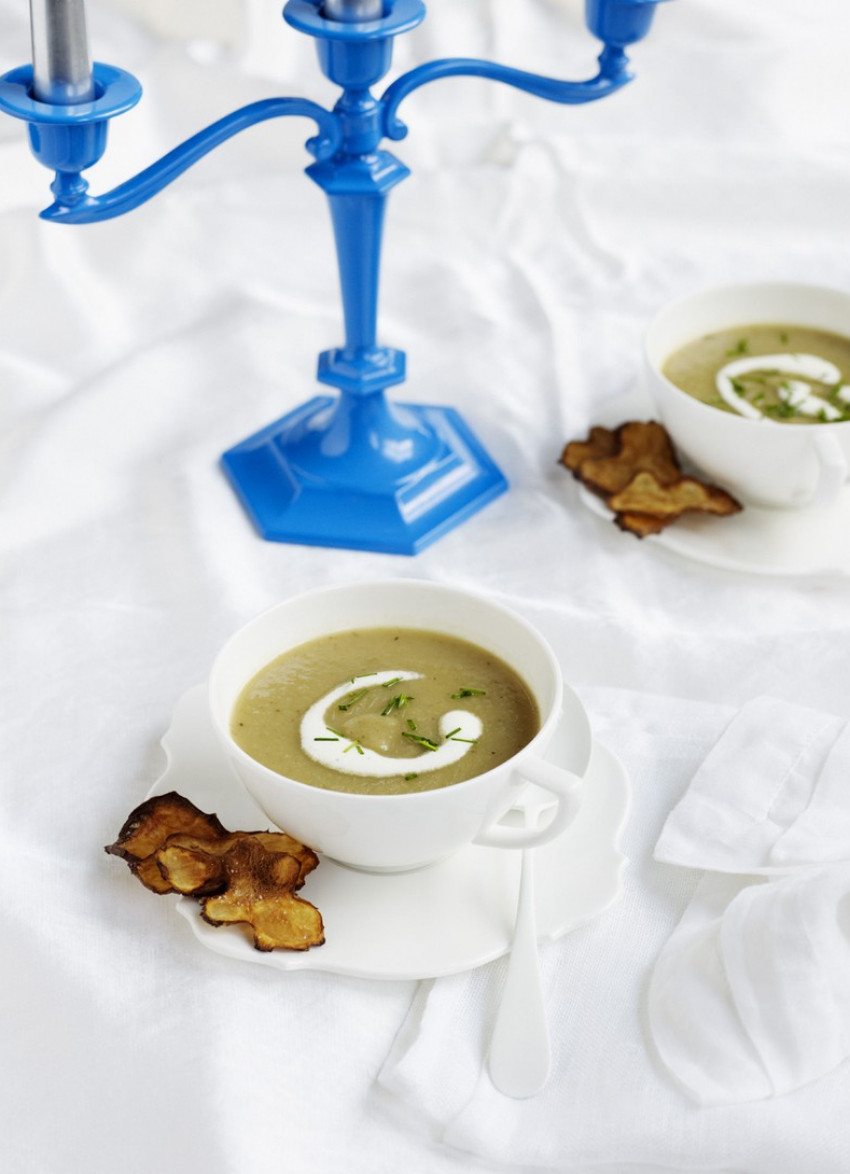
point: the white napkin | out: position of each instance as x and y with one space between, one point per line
771 795
750 996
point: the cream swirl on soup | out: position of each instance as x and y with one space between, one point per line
325 744
791 374
799 394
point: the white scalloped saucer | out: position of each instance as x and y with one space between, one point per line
757 541
441 920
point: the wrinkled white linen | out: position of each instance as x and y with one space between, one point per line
749 998
771 796
522 260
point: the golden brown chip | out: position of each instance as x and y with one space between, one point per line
148 827
260 894
149 873
643 446
641 525
641 480
602 442
284 843
646 495
174 847
151 823
189 869
182 857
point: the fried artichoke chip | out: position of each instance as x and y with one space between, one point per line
602 442
148 827
191 870
642 525
238 877
646 495
150 874
642 446
282 842
260 894
187 861
634 469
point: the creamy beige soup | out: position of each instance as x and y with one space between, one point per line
772 372
384 711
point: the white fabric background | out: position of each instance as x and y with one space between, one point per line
522 261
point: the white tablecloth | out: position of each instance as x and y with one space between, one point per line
523 259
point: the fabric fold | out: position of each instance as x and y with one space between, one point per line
749 996
767 797
747 999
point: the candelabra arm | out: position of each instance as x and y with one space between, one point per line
68 139
612 75
74 206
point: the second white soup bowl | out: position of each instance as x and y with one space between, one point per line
763 462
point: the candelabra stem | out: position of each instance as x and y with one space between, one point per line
355 469
358 222
357 188
358 228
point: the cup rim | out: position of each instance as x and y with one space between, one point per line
564 692
728 289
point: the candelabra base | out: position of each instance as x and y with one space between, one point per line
293 499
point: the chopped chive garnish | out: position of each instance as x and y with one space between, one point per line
453 732
353 746
389 684
398 702
326 739
353 698
407 778
411 724
420 740
471 741
464 692
338 733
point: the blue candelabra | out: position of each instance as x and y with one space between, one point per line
352 469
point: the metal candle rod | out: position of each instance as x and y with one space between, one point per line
352 469
353 10
61 64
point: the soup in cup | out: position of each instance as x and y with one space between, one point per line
753 384
359 731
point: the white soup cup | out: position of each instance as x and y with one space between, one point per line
400 832
778 465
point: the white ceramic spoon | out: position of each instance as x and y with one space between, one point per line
519 1056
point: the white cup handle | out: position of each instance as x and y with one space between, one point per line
832 470
563 784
